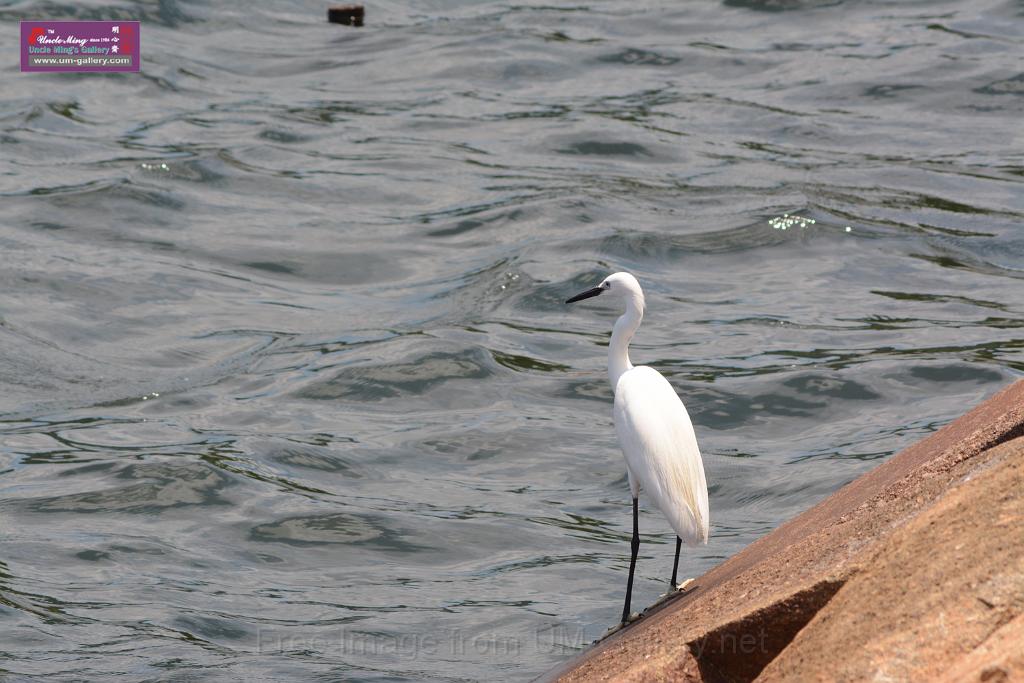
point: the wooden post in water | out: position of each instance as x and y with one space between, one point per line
350 15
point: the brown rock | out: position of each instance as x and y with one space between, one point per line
999 658
914 571
929 593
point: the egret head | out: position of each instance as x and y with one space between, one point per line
619 284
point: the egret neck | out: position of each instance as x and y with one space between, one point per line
625 327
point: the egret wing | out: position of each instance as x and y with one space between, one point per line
661 450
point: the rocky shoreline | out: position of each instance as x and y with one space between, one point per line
914 571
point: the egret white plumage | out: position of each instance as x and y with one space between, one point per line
654 431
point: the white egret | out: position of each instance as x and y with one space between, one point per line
654 431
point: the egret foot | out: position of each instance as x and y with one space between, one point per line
618 627
665 597
671 593
607 633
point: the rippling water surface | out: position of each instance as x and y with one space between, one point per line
287 387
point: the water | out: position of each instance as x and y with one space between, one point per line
286 385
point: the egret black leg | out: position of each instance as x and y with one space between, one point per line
675 565
634 546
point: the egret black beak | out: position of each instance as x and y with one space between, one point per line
584 295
